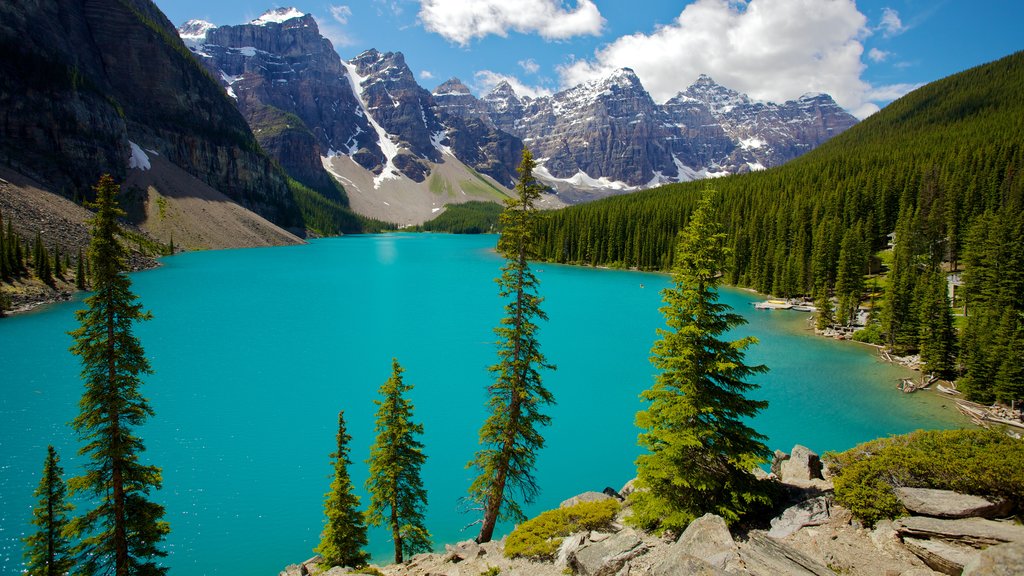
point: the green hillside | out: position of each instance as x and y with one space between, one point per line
940 167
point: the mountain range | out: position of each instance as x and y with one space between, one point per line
391 142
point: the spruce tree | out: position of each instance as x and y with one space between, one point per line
344 535
58 265
826 313
937 337
509 437
80 272
5 261
700 451
397 496
47 551
121 534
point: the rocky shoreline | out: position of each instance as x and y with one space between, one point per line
946 533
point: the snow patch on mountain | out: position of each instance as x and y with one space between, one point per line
277 16
193 32
387 145
138 159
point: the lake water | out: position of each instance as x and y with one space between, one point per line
255 352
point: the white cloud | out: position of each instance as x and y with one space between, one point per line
486 80
426 74
341 13
891 25
529 66
770 49
891 91
877 55
460 21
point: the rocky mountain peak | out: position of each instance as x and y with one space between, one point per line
623 78
503 91
277 16
451 86
719 98
193 32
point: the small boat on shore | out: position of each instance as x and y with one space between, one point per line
804 308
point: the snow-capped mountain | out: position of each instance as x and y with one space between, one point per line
307 106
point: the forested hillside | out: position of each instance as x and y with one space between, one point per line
940 168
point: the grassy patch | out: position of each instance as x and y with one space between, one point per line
540 537
982 462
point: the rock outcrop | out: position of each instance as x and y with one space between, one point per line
949 504
80 80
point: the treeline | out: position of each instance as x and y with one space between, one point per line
21 259
938 169
476 217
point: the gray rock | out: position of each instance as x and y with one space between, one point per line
708 539
684 565
763 556
462 551
949 504
337 571
802 464
941 556
569 546
975 532
584 497
607 557
813 512
919 571
778 457
1001 560
628 488
291 570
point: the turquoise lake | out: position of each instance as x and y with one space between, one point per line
255 352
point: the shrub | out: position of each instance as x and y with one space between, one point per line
982 462
871 334
540 537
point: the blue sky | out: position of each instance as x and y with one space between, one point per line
865 53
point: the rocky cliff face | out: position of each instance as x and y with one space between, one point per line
80 79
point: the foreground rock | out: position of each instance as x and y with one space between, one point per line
975 532
607 557
1002 560
949 504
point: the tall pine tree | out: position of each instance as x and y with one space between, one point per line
121 534
700 451
397 496
509 437
345 533
47 551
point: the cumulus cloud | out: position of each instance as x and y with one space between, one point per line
486 80
877 55
461 22
891 25
529 66
770 49
426 74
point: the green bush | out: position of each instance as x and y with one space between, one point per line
871 334
982 462
540 537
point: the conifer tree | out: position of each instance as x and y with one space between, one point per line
938 337
345 533
826 313
58 265
47 551
5 263
700 450
41 261
509 437
121 534
80 272
397 496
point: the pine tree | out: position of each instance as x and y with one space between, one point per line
41 261
397 496
826 313
509 437
701 452
80 279
345 533
938 337
120 535
58 265
47 551
5 262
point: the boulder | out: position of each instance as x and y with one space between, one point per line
607 557
708 539
941 556
336 571
975 532
778 457
569 547
684 565
291 570
628 488
584 497
949 504
763 556
813 512
802 464
1001 560
463 551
